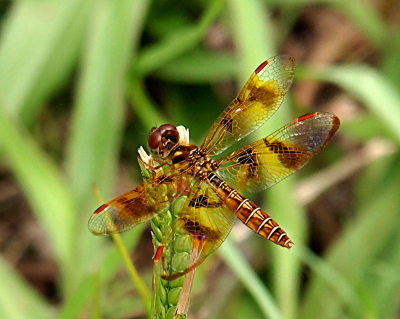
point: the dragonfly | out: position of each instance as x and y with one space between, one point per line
213 186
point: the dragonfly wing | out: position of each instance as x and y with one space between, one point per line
259 98
140 204
203 224
265 162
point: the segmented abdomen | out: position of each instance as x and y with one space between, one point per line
250 214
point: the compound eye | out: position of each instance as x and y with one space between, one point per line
154 140
163 138
169 133
167 127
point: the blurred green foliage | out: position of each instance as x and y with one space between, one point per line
82 81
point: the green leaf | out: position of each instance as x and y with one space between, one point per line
367 85
40 45
243 271
199 67
177 42
97 120
253 48
44 187
354 253
18 299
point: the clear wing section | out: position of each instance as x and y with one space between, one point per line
259 98
267 161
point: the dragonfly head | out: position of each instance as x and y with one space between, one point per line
163 139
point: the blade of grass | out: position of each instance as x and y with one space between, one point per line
386 287
43 186
254 40
90 285
72 307
366 18
287 271
205 67
331 277
349 256
252 35
39 47
97 121
18 299
145 109
130 267
177 43
98 115
359 12
133 274
367 85
243 271
373 89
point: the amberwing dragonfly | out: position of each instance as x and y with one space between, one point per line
212 186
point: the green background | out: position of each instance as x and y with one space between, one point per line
83 81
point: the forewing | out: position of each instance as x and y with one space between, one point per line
133 207
267 161
259 98
203 224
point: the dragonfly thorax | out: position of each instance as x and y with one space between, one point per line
181 153
202 165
